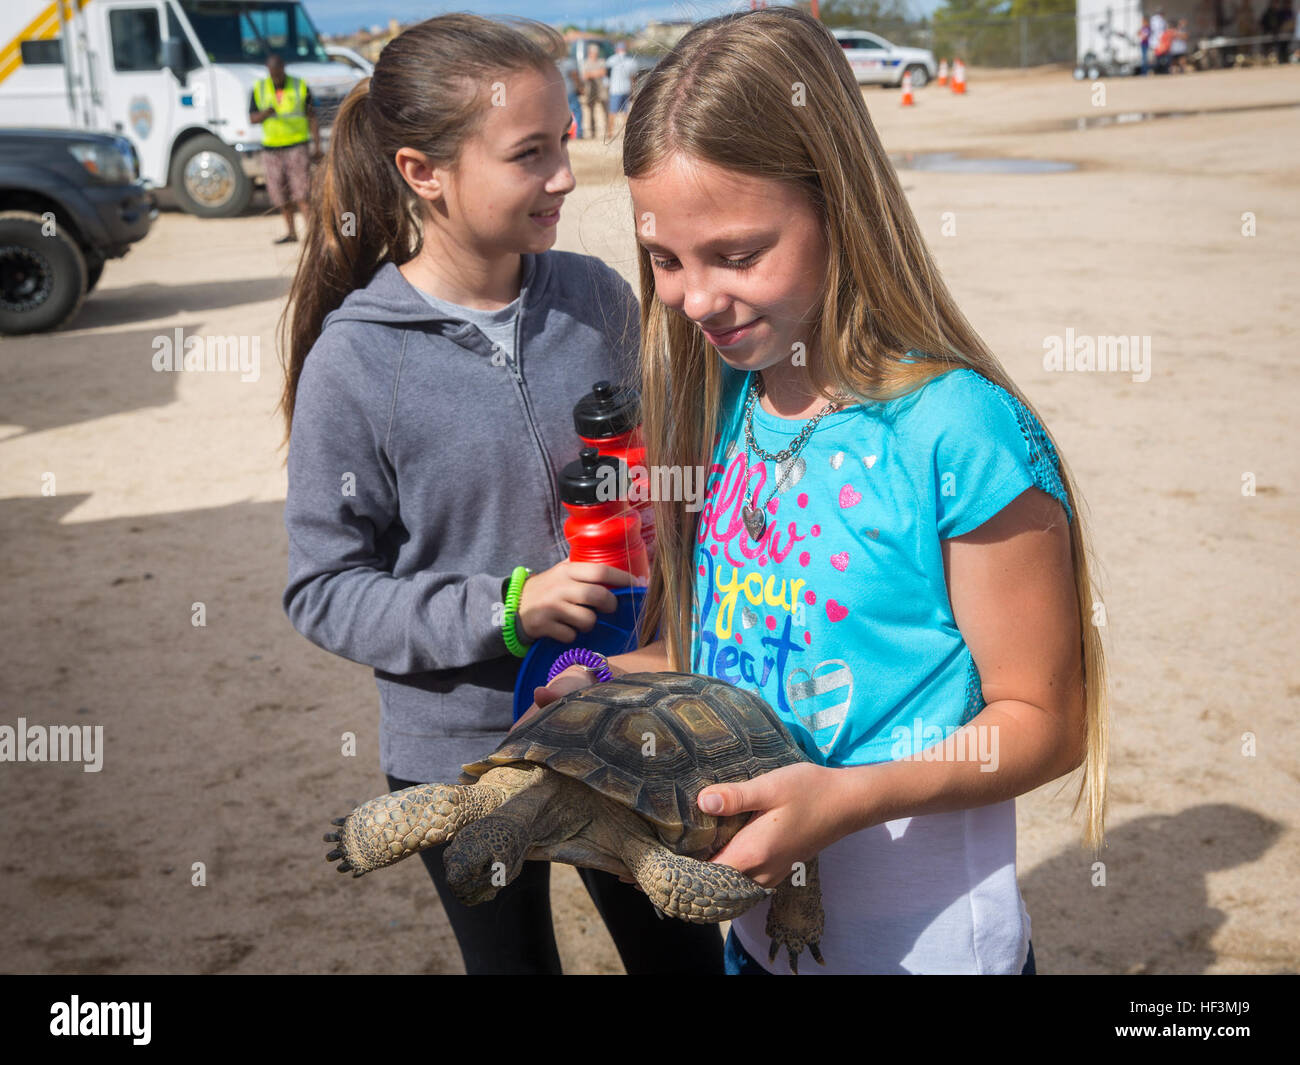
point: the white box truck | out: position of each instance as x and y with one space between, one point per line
1108 38
173 76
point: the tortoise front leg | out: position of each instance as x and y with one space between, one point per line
796 918
395 826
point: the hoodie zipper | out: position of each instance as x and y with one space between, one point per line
557 526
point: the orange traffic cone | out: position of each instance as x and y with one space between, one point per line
943 72
958 76
907 91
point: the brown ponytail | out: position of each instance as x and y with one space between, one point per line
427 93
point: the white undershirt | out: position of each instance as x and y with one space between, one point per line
933 894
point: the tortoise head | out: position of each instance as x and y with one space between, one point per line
484 857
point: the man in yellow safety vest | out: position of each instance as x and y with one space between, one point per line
283 106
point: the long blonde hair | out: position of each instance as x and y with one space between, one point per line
724 95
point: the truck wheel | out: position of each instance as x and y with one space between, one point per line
94 271
207 179
42 278
920 76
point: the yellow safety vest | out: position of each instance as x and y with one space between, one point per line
289 124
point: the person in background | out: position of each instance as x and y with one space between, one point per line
1144 42
1158 26
593 77
573 87
622 70
1164 42
1178 48
1276 22
1245 24
282 105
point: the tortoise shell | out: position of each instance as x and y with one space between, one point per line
652 742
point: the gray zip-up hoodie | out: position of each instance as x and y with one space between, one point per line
422 470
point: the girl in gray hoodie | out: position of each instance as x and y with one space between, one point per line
435 347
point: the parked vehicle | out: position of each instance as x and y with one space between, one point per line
1107 39
69 201
173 76
875 61
348 58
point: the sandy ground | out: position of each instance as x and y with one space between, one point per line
223 741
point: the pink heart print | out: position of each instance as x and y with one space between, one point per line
836 612
848 497
840 561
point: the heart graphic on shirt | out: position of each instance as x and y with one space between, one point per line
837 460
836 612
869 460
848 497
840 561
790 473
821 700
748 618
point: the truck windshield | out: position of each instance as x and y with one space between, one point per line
245 31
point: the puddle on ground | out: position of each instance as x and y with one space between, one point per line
956 163
1125 118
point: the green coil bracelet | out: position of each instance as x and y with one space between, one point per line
517 578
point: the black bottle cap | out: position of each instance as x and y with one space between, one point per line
607 411
593 478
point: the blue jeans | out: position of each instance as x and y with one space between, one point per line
575 105
740 962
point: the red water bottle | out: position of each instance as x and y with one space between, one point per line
601 527
608 419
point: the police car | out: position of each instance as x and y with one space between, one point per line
877 62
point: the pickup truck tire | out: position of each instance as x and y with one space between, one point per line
94 271
42 278
208 180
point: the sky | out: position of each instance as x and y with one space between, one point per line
341 16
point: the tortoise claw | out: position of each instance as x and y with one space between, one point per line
339 821
358 872
771 951
344 866
815 949
334 855
794 961
331 837
658 912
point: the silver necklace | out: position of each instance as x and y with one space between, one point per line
755 517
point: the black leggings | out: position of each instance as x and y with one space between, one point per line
512 934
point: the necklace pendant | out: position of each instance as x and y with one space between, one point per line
755 522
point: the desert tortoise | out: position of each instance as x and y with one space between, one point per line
606 777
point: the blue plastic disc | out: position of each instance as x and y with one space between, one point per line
613 634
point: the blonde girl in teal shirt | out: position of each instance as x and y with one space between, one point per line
785 286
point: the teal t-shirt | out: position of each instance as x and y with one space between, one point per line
839 615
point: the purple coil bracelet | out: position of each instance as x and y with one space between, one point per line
580 656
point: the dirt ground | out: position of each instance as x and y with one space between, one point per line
222 742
